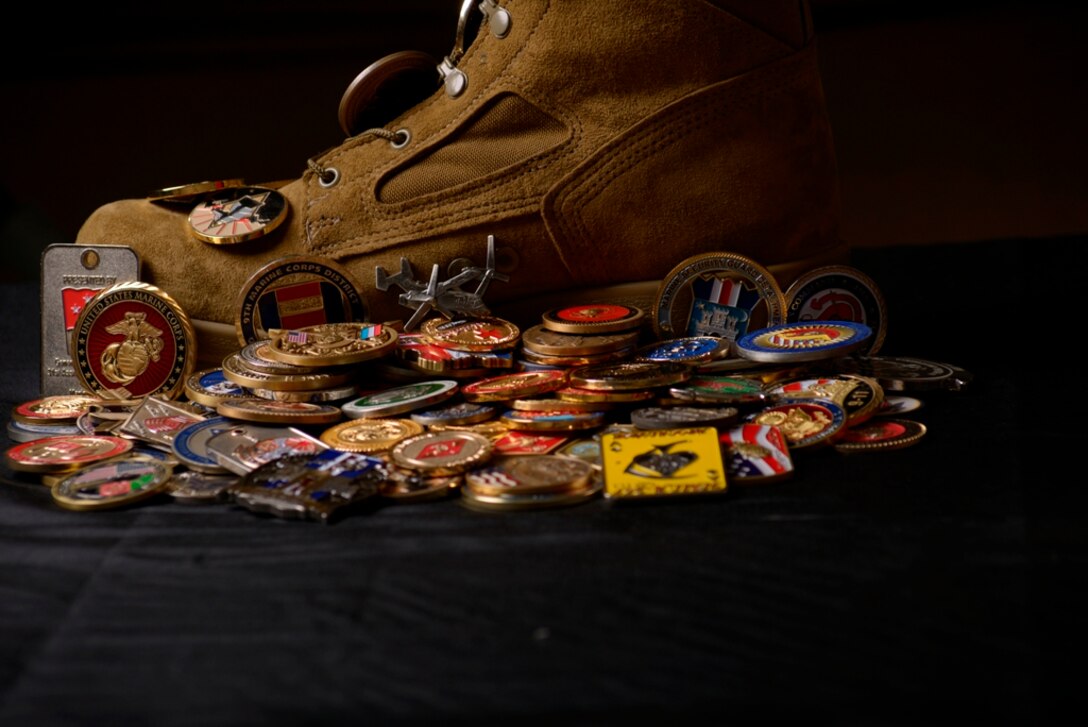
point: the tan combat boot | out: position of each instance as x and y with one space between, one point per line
601 143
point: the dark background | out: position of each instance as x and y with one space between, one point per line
942 580
954 121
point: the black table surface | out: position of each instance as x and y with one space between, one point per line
896 587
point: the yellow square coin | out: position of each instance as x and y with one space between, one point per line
662 463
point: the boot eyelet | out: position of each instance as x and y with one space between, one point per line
403 136
330 177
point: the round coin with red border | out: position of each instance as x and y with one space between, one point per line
59 409
594 318
443 453
514 386
805 423
66 453
881 434
133 340
839 293
790 342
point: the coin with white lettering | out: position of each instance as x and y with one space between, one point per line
132 340
718 294
294 292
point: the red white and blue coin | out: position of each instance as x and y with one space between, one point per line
755 453
802 342
805 423
838 293
295 292
313 486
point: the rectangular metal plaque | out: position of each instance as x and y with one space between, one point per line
72 275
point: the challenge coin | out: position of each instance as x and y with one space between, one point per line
881 434
900 373
667 463
693 350
839 293
718 294
465 412
64 453
295 292
111 484
793 342
443 453
190 444
547 342
514 386
312 486
859 396
156 421
729 390
628 376
59 409
237 214
471 334
278 412
186 192
198 488
400 400
367 436
805 423
244 447
133 340
593 319
211 386
755 454
331 344
525 474
678 417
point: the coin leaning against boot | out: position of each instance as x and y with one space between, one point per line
336 411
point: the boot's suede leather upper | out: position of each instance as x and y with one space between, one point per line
600 142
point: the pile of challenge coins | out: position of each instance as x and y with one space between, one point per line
729 382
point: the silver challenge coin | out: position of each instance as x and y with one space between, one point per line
673 417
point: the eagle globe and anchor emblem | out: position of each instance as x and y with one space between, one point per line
124 361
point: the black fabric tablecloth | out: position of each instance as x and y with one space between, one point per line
899 587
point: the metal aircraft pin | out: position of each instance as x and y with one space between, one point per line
446 296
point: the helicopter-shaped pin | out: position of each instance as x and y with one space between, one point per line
446 297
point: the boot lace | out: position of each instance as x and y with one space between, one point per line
453 78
